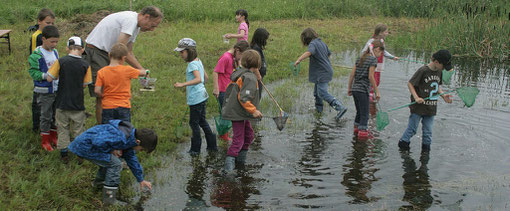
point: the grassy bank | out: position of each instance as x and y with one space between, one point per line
35 179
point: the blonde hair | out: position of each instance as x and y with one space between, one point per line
251 59
118 51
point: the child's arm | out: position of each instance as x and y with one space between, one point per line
351 78
129 156
216 90
447 98
34 72
53 72
196 80
302 57
240 35
389 55
418 99
373 83
99 91
247 94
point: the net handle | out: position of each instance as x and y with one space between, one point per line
219 106
402 106
281 110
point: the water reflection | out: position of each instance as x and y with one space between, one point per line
360 172
196 184
416 183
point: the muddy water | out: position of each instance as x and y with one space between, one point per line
315 163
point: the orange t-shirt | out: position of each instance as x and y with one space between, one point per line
116 83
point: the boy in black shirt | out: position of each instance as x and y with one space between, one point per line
425 83
74 74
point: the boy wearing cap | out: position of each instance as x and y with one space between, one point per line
425 83
74 74
113 85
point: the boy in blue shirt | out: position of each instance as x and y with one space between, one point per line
40 61
105 144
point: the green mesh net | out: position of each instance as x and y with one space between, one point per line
295 69
468 95
222 125
382 120
281 120
447 76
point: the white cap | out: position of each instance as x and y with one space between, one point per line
75 41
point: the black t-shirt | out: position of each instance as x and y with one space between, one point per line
426 82
70 86
263 67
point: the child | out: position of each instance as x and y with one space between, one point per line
45 18
196 96
258 43
362 76
113 85
242 31
380 33
105 144
425 83
222 72
74 75
320 71
241 102
40 60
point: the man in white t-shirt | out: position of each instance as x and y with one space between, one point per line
120 27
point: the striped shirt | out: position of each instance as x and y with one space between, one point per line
361 81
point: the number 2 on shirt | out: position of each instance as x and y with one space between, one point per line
432 95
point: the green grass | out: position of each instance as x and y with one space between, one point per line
35 179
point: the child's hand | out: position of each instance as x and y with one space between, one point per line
419 100
216 92
296 63
257 114
349 92
145 184
178 85
117 153
226 36
447 98
396 58
377 96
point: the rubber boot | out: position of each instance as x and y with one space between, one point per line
404 146
110 196
45 141
54 137
241 157
364 135
230 164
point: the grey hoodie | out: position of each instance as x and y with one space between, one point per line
241 96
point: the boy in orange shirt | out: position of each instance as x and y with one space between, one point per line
113 85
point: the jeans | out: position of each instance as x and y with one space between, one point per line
121 113
362 109
243 136
320 92
197 120
427 123
221 98
47 103
109 172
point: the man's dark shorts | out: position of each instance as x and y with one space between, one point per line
97 60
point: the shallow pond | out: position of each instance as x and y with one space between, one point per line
316 163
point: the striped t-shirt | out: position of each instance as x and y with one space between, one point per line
361 80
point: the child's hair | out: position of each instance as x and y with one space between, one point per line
375 44
153 11
308 35
148 139
50 31
244 13
242 46
251 59
118 51
192 53
45 13
260 38
380 28
74 47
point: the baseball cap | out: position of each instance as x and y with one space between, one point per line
75 41
444 57
185 43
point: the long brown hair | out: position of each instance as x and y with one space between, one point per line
375 44
380 28
308 35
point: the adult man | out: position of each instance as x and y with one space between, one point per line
121 27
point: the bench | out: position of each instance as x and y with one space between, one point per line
4 34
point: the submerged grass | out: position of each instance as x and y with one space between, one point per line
35 179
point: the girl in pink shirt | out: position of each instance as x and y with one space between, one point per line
224 68
242 31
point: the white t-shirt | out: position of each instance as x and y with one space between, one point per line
106 33
50 58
